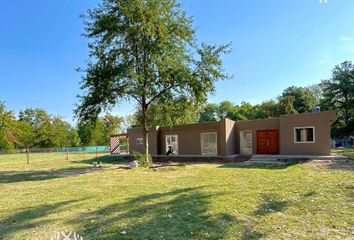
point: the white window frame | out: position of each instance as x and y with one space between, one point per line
166 145
139 141
314 134
201 143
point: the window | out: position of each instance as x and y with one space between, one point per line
172 143
304 134
139 141
209 144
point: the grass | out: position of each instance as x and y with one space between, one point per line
201 201
348 152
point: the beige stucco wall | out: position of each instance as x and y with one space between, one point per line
189 142
254 125
321 121
135 133
228 137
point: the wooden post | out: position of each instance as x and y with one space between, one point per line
96 151
27 155
67 153
127 144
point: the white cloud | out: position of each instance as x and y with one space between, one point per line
345 38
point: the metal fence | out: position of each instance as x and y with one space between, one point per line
55 154
88 149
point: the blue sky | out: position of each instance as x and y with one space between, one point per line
276 44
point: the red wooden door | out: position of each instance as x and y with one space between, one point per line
267 142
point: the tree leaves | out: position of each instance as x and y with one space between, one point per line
145 50
338 94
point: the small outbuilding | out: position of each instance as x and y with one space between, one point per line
297 134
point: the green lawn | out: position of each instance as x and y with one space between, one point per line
199 201
349 152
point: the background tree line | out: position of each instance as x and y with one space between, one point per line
336 93
35 128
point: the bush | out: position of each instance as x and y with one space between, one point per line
143 159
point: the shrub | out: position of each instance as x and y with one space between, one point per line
144 161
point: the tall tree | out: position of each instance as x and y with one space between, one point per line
303 98
286 105
208 113
98 132
7 128
338 94
145 50
268 109
92 133
112 125
245 111
37 128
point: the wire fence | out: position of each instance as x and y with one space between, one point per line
55 154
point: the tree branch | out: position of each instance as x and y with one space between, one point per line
159 94
135 97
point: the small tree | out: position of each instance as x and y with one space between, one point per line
145 50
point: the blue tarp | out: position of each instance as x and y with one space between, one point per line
343 142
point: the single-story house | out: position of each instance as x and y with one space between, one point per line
297 134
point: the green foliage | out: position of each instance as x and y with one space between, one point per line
98 133
267 109
208 113
7 128
145 50
303 98
145 160
74 138
286 105
338 94
225 109
34 128
42 130
25 134
165 112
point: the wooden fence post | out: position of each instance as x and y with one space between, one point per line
67 153
96 151
27 155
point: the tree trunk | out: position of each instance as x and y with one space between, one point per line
27 155
145 129
146 141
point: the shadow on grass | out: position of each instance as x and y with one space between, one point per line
178 214
270 204
270 166
30 218
106 159
24 176
41 175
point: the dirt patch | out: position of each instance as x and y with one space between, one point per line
154 166
199 159
170 164
333 164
